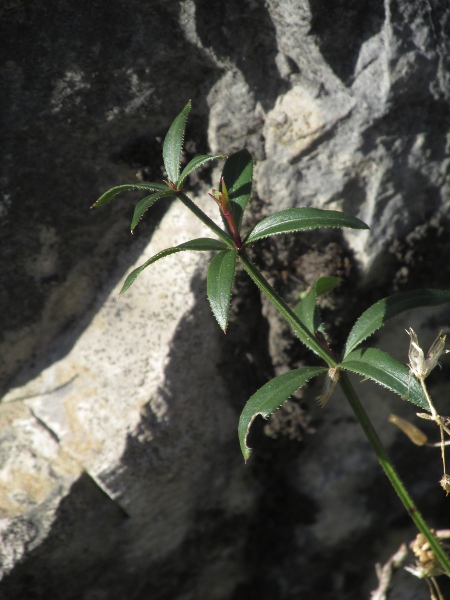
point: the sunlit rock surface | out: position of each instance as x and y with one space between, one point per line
120 473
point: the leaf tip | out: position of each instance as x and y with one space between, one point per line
126 286
246 451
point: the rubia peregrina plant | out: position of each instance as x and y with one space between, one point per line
230 250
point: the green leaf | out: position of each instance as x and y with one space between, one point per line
219 285
112 193
383 310
270 397
194 164
388 372
144 204
173 144
299 219
238 174
199 244
326 284
307 310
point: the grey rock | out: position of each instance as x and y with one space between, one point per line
110 430
120 468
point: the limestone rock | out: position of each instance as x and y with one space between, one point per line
120 470
115 419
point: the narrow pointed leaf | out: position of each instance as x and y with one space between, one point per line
300 219
199 244
270 397
112 193
143 205
194 164
383 310
307 310
388 372
238 174
173 144
220 283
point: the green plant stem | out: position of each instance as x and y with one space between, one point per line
205 219
299 329
390 471
383 458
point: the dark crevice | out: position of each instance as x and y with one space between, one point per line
229 29
86 524
341 27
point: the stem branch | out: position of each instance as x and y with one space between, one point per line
205 219
437 419
299 329
312 343
390 471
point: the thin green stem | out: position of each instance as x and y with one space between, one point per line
205 219
390 471
310 341
299 329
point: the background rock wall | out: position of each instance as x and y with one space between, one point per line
120 466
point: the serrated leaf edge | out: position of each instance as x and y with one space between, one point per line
127 187
187 171
131 277
348 351
156 196
246 451
344 366
167 156
259 236
224 329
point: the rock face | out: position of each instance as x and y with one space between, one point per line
120 468
107 453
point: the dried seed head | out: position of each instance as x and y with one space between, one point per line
445 483
427 564
420 366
